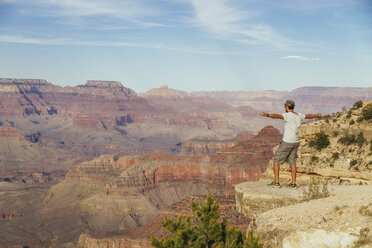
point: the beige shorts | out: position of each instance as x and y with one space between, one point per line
286 152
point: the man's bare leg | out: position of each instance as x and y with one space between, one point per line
276 172
293 173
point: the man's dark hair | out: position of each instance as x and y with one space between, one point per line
291 107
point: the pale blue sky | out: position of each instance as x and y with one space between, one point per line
189 44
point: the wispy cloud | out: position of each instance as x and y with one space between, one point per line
301 58
89 13
122 9
220 18
19 39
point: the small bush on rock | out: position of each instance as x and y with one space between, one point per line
335 155
358 105
353 162
347 139
352 122
321 141
360 139
367 112
366 210
314 159
360 119
364 238
318 188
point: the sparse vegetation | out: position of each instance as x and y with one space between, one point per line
370 145
208 232
321 141
366 210
360 139
358 105
335 155
314 159
367 112
364 238
353 162
335 133
360 119
318 188
347 139
352 122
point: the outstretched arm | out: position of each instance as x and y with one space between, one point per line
310 116
274 116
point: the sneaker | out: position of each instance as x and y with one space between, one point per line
274 184
292 185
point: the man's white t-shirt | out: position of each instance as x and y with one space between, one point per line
292 123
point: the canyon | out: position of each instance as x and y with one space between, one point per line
99 165
113 194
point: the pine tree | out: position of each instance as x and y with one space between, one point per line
209 232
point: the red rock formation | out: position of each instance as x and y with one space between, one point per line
135 175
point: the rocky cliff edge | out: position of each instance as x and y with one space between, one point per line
282 216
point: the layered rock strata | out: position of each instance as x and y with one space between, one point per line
111 193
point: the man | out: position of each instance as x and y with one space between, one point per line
287 150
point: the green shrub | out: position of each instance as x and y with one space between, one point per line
358 105
318 188
364 238
367 112
352 122
360 119
209 231
348 115
314 159
347 139
360 139
366 210
353 162
321 141
335 155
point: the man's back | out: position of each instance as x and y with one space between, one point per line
292 122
